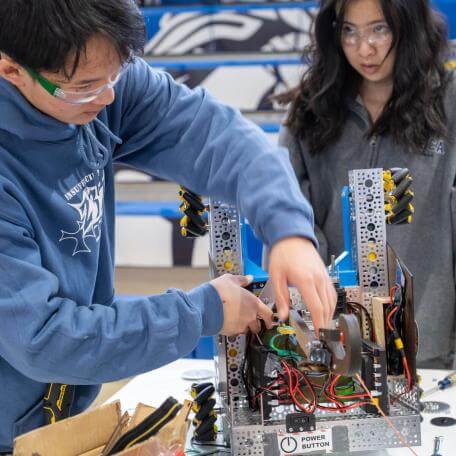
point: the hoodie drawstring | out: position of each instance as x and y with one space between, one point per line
94 153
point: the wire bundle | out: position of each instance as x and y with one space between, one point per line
392 313
294 387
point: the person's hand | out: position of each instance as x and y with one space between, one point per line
295 261
241 308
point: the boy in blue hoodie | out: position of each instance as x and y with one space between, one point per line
74 99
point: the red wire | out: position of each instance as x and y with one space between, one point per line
407 373
329 395
333 397
295 400
345 408
294 376
309 386
392 291
388 319
333 384
293 388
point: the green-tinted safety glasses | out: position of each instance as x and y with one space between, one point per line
74 97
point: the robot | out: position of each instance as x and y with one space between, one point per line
352 387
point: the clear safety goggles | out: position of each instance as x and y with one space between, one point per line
76 96
375 35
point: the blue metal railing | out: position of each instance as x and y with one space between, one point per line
153 14
216 8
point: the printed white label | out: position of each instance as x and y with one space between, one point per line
304 442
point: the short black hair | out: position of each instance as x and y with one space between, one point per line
43 34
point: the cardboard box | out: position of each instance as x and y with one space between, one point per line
88 433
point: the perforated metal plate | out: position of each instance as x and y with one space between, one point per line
225 253
360 432
366 189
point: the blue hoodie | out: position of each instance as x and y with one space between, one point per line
60 318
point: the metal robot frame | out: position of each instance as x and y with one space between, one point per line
363 271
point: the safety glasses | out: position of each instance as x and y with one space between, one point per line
78 96
375 35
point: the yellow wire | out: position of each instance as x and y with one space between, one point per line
388 421
48 393
52 420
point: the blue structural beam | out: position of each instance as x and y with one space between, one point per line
252 254
346 264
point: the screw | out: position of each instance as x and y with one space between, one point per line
437 442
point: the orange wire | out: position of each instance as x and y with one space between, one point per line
388 421
388 319
407 373
392 291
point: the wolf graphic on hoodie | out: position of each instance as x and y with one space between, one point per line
89 210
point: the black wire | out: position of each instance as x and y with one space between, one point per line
211 444
398 316
248 340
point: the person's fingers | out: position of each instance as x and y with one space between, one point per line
314 305
242 280
282 295
331 291
326 298
265 313
249 308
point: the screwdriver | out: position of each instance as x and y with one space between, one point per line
447 382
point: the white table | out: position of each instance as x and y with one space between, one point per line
154 387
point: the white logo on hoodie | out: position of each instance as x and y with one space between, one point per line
90 210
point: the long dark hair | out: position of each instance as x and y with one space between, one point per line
415 112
